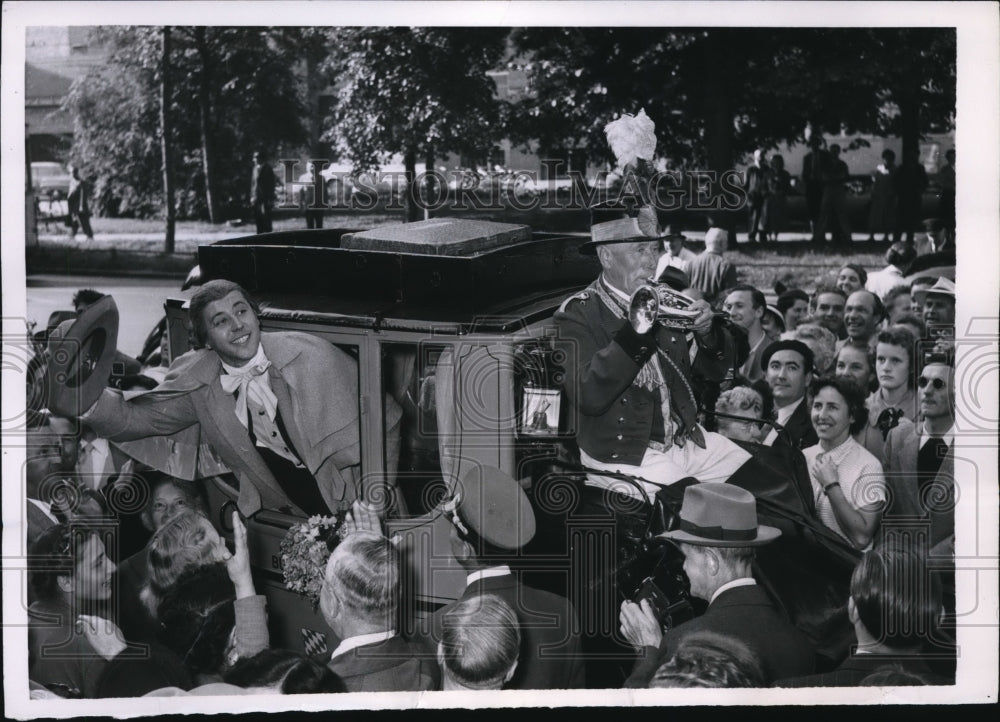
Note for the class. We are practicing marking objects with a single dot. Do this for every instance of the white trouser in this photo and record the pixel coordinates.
(716, 462)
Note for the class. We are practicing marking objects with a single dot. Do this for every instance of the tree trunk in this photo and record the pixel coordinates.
(719, 118)
(205, 122)
(166, 141)
(430, 182)
(412, 192)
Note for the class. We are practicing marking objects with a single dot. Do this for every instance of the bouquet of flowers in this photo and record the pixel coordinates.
(305, 551)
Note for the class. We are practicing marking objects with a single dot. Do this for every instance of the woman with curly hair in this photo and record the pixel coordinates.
(847, 480)
(188, 540)
(188, 547)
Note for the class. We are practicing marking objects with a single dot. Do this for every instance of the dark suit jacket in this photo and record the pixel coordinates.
(799, 427)
(859, 666)
(746, 614)
(604, 355)
(901, 450)
(551, 655)
(317, 389)
(394, 665)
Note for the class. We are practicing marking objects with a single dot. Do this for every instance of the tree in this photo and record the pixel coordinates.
(166, 141)
(419, 92)
(246, 92)
(718, 93)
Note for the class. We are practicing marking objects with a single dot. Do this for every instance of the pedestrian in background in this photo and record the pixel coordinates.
(813, 165)
(78, 204)
(262, 192)
(882, 214)
(833, 206)
(314, 216)
(756, 187)
(911, 180)
(776, 202)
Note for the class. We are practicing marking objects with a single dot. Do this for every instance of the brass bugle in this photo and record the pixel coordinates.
(659, 301)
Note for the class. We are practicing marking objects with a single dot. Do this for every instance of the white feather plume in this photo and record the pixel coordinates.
(631, 137)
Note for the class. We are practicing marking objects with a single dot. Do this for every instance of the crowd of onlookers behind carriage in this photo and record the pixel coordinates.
(857, 376)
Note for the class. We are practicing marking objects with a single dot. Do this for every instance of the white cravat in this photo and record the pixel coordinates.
(252, 384)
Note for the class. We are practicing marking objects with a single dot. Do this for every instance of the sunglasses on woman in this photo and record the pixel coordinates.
(935, 382)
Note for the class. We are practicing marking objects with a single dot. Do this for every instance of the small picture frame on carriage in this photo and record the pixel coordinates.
(540, 411)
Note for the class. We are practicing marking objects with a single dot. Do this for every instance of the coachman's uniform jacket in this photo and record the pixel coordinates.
(617, 420)
(187, 426)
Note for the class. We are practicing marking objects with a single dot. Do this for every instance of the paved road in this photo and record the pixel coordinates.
(140, 302)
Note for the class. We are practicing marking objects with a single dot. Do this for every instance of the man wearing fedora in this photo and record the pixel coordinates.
(718, 533)
(628, 377)
(674, 254)
(279, 410)
(492, 521)
(939, 315)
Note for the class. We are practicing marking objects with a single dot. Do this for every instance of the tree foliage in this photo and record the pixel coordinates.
(718, 93)
(419, 92)
(242, 78)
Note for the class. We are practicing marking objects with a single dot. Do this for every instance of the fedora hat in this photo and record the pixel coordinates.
(626, 222)
(720, 515)
(943, 287)
(495, 507)
(80, 360)
(671, 232)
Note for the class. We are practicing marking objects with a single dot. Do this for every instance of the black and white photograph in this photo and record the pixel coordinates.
(426, 355)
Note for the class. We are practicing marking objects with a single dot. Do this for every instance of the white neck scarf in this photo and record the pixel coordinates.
(250, 383)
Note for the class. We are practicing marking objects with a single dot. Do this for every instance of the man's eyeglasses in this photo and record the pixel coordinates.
(935, 382)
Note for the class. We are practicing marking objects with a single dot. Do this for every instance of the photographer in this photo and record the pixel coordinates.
(718, 532)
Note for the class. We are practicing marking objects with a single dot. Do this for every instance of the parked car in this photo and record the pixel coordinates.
(49, 178)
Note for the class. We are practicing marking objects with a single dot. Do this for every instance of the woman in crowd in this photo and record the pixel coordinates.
(188, 540)
(195, 583)
(856, 361)
(773, 323)
(168, 497)
(896, 372)
(794, 306)
(848, 482)
(851, 277)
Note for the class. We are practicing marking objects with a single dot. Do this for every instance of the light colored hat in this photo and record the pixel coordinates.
(943, 287)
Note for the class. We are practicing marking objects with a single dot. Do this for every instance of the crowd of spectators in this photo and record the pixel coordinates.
(855, 377)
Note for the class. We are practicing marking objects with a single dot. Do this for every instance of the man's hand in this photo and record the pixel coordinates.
(639, 625)
(103, 634)
(703, 323)
(238, 564)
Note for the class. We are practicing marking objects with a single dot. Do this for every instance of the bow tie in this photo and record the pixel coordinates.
(888, 420)
(252, 385)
